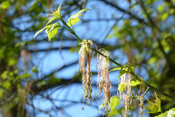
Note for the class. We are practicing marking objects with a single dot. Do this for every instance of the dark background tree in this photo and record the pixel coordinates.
(140, 32)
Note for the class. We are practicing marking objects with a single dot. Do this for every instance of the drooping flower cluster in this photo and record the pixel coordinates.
(85, 53)
(126, 91)
(103, 82)
(125, 87)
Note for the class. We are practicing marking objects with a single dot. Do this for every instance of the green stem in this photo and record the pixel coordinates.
(77, 37)
(69, 29)
(152, 87)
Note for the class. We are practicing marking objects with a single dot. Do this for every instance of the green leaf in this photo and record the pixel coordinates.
(20, 44)
(169, 113)
(1, 93)
(121, 86)
(149, 2)
(74, 49)
(172, 11)
(127, 69)
(25, 75)
(34, 5)
(74, 18)
(113, 113)
(161, 7)
(154, 107)
(5, 74)
(34, 69)
(152, 60)
(116, 112)
(73, 21)
(164, 16)
(41, 30)
(165, 114)
(115, 69)
(12, 61)
(101, 106)
(114, 101)
(5, 5)
(51, 19)
(135, 83)
(57, 13)
(120, 74)
(52, 30)
(16, 100)
(115, 32)
(39, 84)
(6, 84)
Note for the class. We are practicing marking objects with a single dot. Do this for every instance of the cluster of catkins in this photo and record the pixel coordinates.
(126, 96)
(126, 93)
(103, 82)
(103, 71)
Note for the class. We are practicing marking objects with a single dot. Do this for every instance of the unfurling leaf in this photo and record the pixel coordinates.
(115, 69)
(169, 113)
(114, 101)
(135, 83)
(74, 18)
(101, 106)
(41, 30)
(126, 69)
(154, 107)
(52, 30)
(57, 13)
(122, 86)
(51, 19)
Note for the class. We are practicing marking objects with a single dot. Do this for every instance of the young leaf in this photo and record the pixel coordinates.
(57, 13)
(121, 86)
(114, 101)
(41, 30)
(169, 113)
(25, 75)
(121, 72)
(6, 84)
(34, 69)
(164, 16)
(34, 5)
(154, 107)
(52, 30)
(135, 83)
(1, 93)
(5, 4)
(74, 18)
(101, 106)
(51, 19)
(115, 69)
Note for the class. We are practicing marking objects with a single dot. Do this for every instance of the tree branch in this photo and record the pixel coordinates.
(125, 11)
